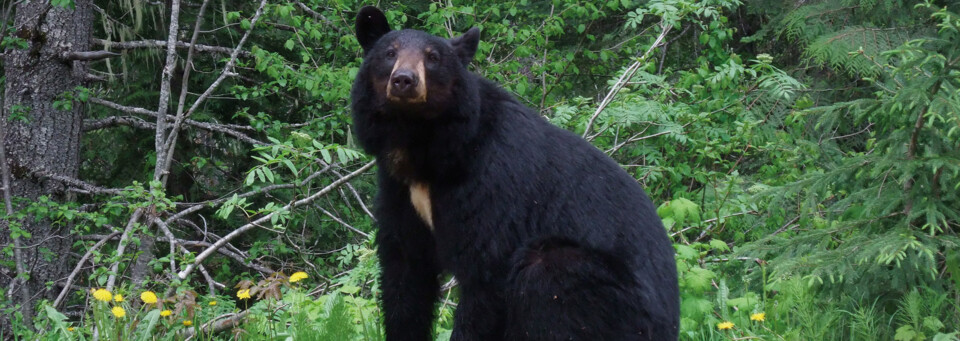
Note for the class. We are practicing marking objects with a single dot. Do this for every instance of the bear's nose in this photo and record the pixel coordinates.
(403, 81)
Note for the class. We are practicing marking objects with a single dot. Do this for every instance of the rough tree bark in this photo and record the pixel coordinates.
(39, 137)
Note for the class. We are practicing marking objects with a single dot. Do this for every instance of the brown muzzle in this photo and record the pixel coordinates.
(408, 83)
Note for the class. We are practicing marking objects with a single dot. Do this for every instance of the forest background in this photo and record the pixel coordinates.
(194, 161)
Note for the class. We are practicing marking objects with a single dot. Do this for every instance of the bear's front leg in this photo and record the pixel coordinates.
(409, 269)
(479, 315)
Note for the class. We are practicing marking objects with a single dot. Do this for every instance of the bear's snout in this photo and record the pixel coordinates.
(408, 79)
(404, 84)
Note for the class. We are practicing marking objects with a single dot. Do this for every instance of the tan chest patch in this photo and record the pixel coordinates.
(420, 197)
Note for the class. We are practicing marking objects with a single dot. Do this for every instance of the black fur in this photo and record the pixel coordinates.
(549, 238)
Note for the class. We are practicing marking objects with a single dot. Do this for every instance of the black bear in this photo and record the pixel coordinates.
(548, 237)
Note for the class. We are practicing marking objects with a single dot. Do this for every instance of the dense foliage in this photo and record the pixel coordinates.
(805, 157)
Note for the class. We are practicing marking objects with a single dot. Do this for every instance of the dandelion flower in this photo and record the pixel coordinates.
(725, 325)
(148, 297)
(118, 298)
(166, 313)
(760, 317)
(213, 302)
(102, 295)
(69, 329)
(118, 312)
(243, 294)
(297, 276)
(187, 323)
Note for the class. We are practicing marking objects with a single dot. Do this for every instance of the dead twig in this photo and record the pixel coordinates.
(624, 78)
(76, 269)
(240, 230)
(140, 44)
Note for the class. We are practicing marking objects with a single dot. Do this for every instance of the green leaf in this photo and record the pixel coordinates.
(289, 164)
(698, 278)
(268, 173)
(686, 252)
(289, 44)
(326, 156)
(905, 333)
(719, 245)
(350, 289)
(145, 331)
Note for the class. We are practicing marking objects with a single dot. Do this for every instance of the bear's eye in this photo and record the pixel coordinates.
(433, 57)
(391, 54)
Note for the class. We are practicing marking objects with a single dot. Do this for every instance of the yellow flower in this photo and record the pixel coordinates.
(758, 317)
(166, 313)
(213, 302)
(725, 325)
(187, 323)
(297, 276)
(148, 297)
(118, 298)
(243, 294)
(69, 329)
(118, 312)
(102, 295)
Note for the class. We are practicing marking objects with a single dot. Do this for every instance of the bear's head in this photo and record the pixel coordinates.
(410, 74)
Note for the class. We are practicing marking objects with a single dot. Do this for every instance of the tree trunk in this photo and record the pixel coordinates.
(40, 138)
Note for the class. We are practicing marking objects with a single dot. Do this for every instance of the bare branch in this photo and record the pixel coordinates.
(165, 158)
(139, 44)
(172, 240)
(337, 219)
(76, 183)
(8, 205)
(262, 189)
(90, 125)
(624, 78)
(852, 134)
(232, 255)
(183, 243)
(219, 324)
(86, 55)
(168, 66)
(121, 248)
(124, 108)
(215, 127)
(360, 201)
(185, 85)
(266, 218)
(635, 138)
(76, 269)
(320, 17)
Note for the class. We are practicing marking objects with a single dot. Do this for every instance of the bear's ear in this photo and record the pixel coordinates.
(466, 45)
(371, 25)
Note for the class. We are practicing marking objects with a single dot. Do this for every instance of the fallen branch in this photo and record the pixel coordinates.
(218, 324)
